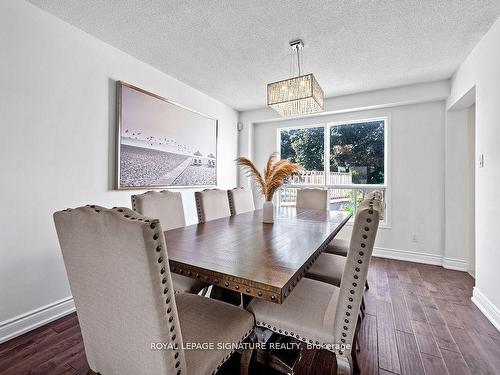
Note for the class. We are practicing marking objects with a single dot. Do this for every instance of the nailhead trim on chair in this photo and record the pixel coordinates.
(355, 284)
(197, 198)
(231, 353)
(284, 332)
(158, 249)
(171, 327)
(152, 226)
(347, 311)
(133, 203)
(231, 202)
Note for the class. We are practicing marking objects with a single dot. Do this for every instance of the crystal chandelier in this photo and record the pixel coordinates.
(295, 96)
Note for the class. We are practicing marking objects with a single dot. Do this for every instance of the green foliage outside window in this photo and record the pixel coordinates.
(356, 147)
(304, 146)
(359, 147)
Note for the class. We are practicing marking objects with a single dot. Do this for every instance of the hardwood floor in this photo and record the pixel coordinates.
(419, 320)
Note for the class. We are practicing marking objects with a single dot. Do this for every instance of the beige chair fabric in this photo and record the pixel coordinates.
(328, 268)
(313, 199)
(212, 204)
(303, 314)
(240, 201)
(164, 205)
(322, 313)
(168, 208)
(330, 265)
(117, 265)
(337, 246)
(208, 320)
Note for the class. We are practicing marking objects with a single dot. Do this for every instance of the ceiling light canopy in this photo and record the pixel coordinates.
(295, 96)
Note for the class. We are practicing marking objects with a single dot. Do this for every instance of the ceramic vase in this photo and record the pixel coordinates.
(268, 212)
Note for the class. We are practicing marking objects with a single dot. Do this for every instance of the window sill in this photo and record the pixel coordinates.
(380, 226)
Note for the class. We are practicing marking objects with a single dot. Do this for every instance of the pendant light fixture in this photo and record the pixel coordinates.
(297, 95)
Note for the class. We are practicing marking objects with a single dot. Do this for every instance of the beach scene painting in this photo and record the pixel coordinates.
(163, 144)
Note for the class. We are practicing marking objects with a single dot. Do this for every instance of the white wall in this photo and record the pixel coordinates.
(481, 70)
(57, 108)
(459, 188)
(385, 98)
(471, 190)
(416, 180)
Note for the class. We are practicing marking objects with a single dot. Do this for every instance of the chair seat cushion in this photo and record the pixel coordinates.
(184, 284)
(338, 246)
(306, 314)
(205, 320)
(328, 268)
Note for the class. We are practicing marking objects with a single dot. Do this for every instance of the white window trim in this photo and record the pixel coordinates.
(387, 160)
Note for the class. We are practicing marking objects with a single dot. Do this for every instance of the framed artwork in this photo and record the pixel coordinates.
(162, 143)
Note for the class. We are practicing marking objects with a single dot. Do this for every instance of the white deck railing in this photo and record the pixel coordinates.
(288, 193)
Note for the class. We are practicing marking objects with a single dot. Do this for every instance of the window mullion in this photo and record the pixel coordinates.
(326, 152)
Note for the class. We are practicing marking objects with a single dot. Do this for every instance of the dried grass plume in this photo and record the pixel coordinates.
(274, 175)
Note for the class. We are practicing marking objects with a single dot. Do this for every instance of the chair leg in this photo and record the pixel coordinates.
(362, 308)
(247, 354)
(344, 365)
(355, 363)
(246, 359)
(354, 349)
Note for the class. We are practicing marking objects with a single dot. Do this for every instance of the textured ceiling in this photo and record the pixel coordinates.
(230, 49)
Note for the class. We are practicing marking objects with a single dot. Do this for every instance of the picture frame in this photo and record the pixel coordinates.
(162, 144)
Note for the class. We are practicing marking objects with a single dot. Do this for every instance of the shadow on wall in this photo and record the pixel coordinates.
(111, 134)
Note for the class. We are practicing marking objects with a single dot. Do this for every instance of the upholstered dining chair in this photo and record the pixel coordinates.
(314, 199)
(329, 268)
(318, 199)
(340, 246)
(240, 200)
(168, 208)
(323, 314)
(212, 204)
(131, 322)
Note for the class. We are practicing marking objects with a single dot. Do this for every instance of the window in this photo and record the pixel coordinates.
(359, 148)
(305, 146)
(348, 158)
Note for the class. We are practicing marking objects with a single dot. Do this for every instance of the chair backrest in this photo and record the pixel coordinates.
(375, 194)
(352, 285)
(117, 265)
(240, 200)
(212, 204)
(164, 205)
(314, 199)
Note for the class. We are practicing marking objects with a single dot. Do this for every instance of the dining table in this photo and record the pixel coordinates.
(242, 254)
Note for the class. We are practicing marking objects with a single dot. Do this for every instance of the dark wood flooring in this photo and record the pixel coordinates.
(419, 320)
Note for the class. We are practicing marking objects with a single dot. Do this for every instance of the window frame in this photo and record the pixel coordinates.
(326, 157)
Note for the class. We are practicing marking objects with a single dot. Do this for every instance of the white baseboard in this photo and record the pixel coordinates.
(417, 257)
(35, 318)
(455, 264)
(409, 256)
(490, 311)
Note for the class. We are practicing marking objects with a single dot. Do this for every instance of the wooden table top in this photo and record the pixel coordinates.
(241, 253)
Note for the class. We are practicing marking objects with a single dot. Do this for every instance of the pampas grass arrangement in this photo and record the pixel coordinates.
(274, 175)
